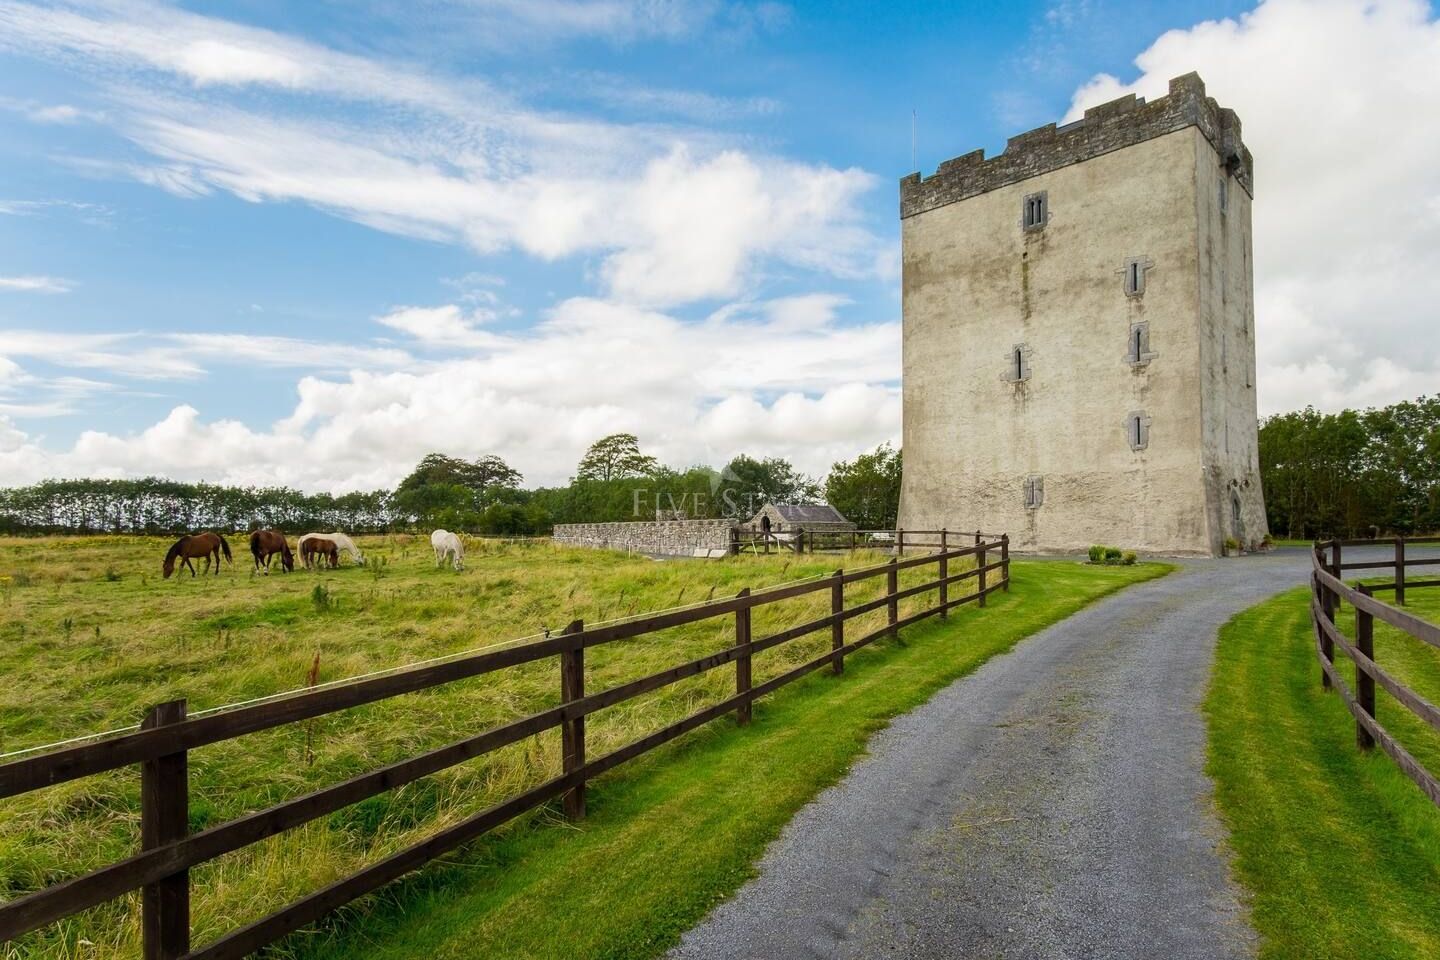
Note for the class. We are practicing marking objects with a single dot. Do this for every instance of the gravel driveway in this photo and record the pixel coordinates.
(1051, 805)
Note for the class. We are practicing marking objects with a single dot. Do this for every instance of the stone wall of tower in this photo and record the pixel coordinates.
(977, 286)
(1231, 452)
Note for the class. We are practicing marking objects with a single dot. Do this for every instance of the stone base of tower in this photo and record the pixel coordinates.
(1081, 509)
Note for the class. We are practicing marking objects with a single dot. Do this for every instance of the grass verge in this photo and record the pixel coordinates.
(674, 833)
(1339, 850)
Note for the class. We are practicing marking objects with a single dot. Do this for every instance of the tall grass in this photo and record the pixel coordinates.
(84, 650)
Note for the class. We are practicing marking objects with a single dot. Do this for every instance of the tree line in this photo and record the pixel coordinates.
(1372, 472)
(614, 481)
(1352, 473)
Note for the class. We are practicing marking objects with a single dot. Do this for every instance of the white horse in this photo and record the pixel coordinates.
(342, 542)
(446, 544)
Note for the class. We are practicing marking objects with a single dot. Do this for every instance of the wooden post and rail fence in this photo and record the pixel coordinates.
(1328, 593)
(161, 746)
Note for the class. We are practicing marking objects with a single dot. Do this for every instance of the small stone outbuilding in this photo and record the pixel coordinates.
(792, 517)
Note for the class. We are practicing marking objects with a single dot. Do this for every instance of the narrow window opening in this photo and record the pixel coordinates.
(1137, 348)
(1034, 492)
(1137, 430)
(1034, 211)
(1134, 274)
(1017, 364)
(1224, 193)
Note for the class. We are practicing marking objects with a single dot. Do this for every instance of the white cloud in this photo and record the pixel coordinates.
(203, 50)
(676, 215)
(678, 227)
(35, 284)
(446, 326)
(780, 378)
(1340, 101)
(182, 356)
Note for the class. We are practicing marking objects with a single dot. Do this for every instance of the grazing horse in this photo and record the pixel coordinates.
(342, 543)
(316, 550)
(197, 545)
(264, 544)
(446, 544)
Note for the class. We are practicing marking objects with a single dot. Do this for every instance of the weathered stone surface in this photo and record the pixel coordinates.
(1143, 185)
(1105, 128)
(661, 538)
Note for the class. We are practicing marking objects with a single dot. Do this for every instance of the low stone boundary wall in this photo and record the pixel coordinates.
(661, 538)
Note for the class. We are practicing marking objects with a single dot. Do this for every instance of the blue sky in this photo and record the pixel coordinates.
(307, 243)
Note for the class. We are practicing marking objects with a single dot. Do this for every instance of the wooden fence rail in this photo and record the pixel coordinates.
(1328, 590)
(161, 745)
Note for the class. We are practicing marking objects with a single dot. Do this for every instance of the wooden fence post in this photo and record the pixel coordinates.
(1005, 562)
(1400, 570)
(165, 818)
(572, 732)
(837, 626)
(944, 572)
(977, 538)
(742, 661)
(1364, 683)
(1327, 608)
(980, 560)
(899, 543)
(892, 587)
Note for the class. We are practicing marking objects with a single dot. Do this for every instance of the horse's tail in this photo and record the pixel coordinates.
(225, 545)
(254, 544)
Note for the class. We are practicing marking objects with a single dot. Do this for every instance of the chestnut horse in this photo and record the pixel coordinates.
(194, 546)
(342, 543)
(264, 544)
(317, 550)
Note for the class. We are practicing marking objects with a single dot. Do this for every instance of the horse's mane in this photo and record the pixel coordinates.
(175, 548)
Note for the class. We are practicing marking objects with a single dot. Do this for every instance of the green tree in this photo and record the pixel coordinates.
(481, 475)
(747, 484)
(615, 457)
(867, 489)
(448, 505)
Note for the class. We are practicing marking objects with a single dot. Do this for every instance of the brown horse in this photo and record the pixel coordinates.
(316, 550)
(264, 544)
(194, 546)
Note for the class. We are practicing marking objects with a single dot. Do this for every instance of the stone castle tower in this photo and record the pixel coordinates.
(1079, 334)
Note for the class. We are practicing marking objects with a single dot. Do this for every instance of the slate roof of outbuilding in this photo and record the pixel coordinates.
(809, 513)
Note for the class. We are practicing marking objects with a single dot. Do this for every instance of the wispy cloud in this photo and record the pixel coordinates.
(676, 214)
(187, 356)
(444, 326)
(36, 284)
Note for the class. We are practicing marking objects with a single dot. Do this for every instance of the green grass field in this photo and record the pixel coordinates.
(90, 635)
(1339, 849)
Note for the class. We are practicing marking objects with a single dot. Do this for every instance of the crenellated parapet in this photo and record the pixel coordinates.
(1104, 128)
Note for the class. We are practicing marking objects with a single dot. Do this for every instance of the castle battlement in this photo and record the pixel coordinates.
(1105, 128)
